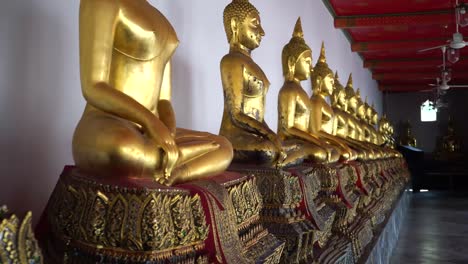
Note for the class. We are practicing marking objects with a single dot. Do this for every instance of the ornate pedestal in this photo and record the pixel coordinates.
(322, 193)
(344, 197)
(259, 245)
(17, 242)
(139, 221)
(282, 215)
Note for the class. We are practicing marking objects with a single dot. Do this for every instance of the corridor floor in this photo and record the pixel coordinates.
(435, 230)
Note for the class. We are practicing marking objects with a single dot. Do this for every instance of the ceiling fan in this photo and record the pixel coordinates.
(461, 19)
(442, 82)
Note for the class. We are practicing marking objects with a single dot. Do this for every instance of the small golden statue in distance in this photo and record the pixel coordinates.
(294, 107)
(245, 87)
(128, 127)
(323, 118)
(449, 146)
(407, 138)
(341, 127)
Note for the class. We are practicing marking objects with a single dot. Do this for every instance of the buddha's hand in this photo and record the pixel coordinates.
(163, 138)
(280, 150)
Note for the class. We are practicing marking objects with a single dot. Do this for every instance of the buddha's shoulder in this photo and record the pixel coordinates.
(235, 58)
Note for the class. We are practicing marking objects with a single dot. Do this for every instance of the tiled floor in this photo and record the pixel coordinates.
(435, 230)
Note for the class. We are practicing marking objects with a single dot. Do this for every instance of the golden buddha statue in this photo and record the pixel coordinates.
(322, 121)
(382, 128)
(370, 130)
(361, 115)
(294, 106)
(386, 136)
(341, 126)
(245, 86)
(355, 130)
(128, 126)
(449, 146)
(407, 137)
(373, 119)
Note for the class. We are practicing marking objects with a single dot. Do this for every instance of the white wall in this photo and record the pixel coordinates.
(41, 101)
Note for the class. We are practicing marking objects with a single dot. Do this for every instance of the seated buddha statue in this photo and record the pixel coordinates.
(407, 137)
(449, 146)
(377, 138)
(370, 129)
(355, 130)
(128, 127)
(341, 126)
(382, 128)
(364, 115)
(386, 139)
(245, 86)
(323, 116)
(294, 106)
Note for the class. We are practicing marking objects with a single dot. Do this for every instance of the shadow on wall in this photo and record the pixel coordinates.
(31, 57)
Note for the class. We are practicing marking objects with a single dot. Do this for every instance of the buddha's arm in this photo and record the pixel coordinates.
(287, 112)
(315, 119)
(97, 22)
(233, 80)
(328, 113)
(165, 110)
(340, 123)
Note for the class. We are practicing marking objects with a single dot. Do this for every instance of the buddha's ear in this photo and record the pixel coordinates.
(235, 30)
(317, 87)
(291, 68)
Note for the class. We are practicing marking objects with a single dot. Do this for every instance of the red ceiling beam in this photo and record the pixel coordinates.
(396, 45)
(462, 67)
(413, 76)
(409, 63)
(429, 18)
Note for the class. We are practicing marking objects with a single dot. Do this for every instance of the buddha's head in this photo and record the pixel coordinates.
(322, 77)
(375, 115)
(361, 107)
(242, 25)
(382, 124)
(296, 57)
(338, 98)
(351, 96)
(368, 111)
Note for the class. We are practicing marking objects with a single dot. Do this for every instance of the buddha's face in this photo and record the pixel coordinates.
(328, 83)
(361, 111)
(342, 99)
(303, 66)
(353, 103)
(375, 118)
(250, 31)
(369, 113)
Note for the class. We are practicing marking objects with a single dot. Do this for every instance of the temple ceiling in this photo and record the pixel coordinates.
(388, 34)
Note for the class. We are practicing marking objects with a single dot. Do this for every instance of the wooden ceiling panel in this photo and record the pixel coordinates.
(405, 32)
(388, 35)
(380, 7)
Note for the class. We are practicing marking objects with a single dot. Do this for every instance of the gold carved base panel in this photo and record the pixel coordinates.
(281, 214)
(138, 221)
(135, 222)
(259, 245)
(17, 242)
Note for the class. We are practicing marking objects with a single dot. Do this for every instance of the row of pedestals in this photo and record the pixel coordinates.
(303, 214)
